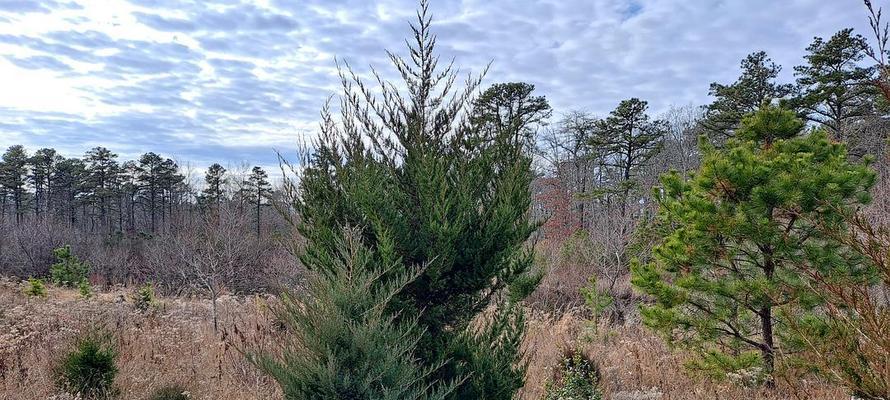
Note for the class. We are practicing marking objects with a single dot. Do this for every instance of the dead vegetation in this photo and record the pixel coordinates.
(175, 344)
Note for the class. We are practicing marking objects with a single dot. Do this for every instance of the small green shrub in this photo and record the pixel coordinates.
(89, 370)
(576, 378)
(69, 271)
(174, 392)
(86, 291)
(595, 299)
(35, 288)
(144, 298)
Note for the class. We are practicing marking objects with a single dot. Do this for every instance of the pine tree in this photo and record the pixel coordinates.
(129, 192)
(43, 165)
(257, 190)
(102, 173)
(172, 184)
(740, 230)
(835, 89)
(510, 107)
(733, 102)
(159, 180)
(13, 177)
(150, 170)
(628, 139)
(214, 186)
(68, 188)
(407, 167)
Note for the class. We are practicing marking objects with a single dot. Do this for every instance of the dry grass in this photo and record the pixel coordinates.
(636, 365)
(176, 344)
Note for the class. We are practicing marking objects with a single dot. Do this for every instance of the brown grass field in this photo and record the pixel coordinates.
(176, 344)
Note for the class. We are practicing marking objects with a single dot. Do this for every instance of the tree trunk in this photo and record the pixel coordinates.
(767, 351)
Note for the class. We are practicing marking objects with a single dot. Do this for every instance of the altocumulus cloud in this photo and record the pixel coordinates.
(233, 80)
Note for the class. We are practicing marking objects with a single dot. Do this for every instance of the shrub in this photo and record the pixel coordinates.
(144, 298)
(89, 369)
(84, 288)
(847, 339)
(596, 300)
(174, 392)
(35, 288)
(69, 271)
(576, 378)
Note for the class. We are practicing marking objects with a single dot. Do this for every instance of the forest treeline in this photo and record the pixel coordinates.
(133, 219)
(747, 231)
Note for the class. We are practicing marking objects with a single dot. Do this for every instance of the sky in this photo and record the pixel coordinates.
(234, 81)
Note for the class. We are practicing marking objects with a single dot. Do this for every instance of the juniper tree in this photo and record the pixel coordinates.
(740, 230)
(343, 342)
(408, 165)
(835, 88)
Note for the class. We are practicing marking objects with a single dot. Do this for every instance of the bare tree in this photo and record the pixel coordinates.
(213, 257)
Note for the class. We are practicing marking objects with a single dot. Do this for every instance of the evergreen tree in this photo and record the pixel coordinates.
(68, 188)
(628, 140)
(172, 185)
(732, 102)
(158, 180)
(102, 172)
(257, 189)
(13, 176)
(214, 185)
(407, 168)
(510, 107)
(343, 344)
(43, 166)
(129, 192)
(835, 89)
(740, 230)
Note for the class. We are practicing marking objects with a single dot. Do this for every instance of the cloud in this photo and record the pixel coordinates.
(32, 6)
(231, 80)
(41, 62)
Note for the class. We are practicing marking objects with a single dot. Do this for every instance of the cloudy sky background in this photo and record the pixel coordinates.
(232, 81)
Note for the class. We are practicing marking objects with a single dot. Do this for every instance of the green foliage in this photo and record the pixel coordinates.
(35, 288)
(576, 378)
(768, 125)
(69, 271)
(84, 288)
(628, 140)
(144, 298)
(89, 369)
(741, 229)
(341, 342)
(214, 186)
(175, 392)
(523, 285)
(835, 89)
(510, 107)
(596, 300)
(425, 188)
(732, 102)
